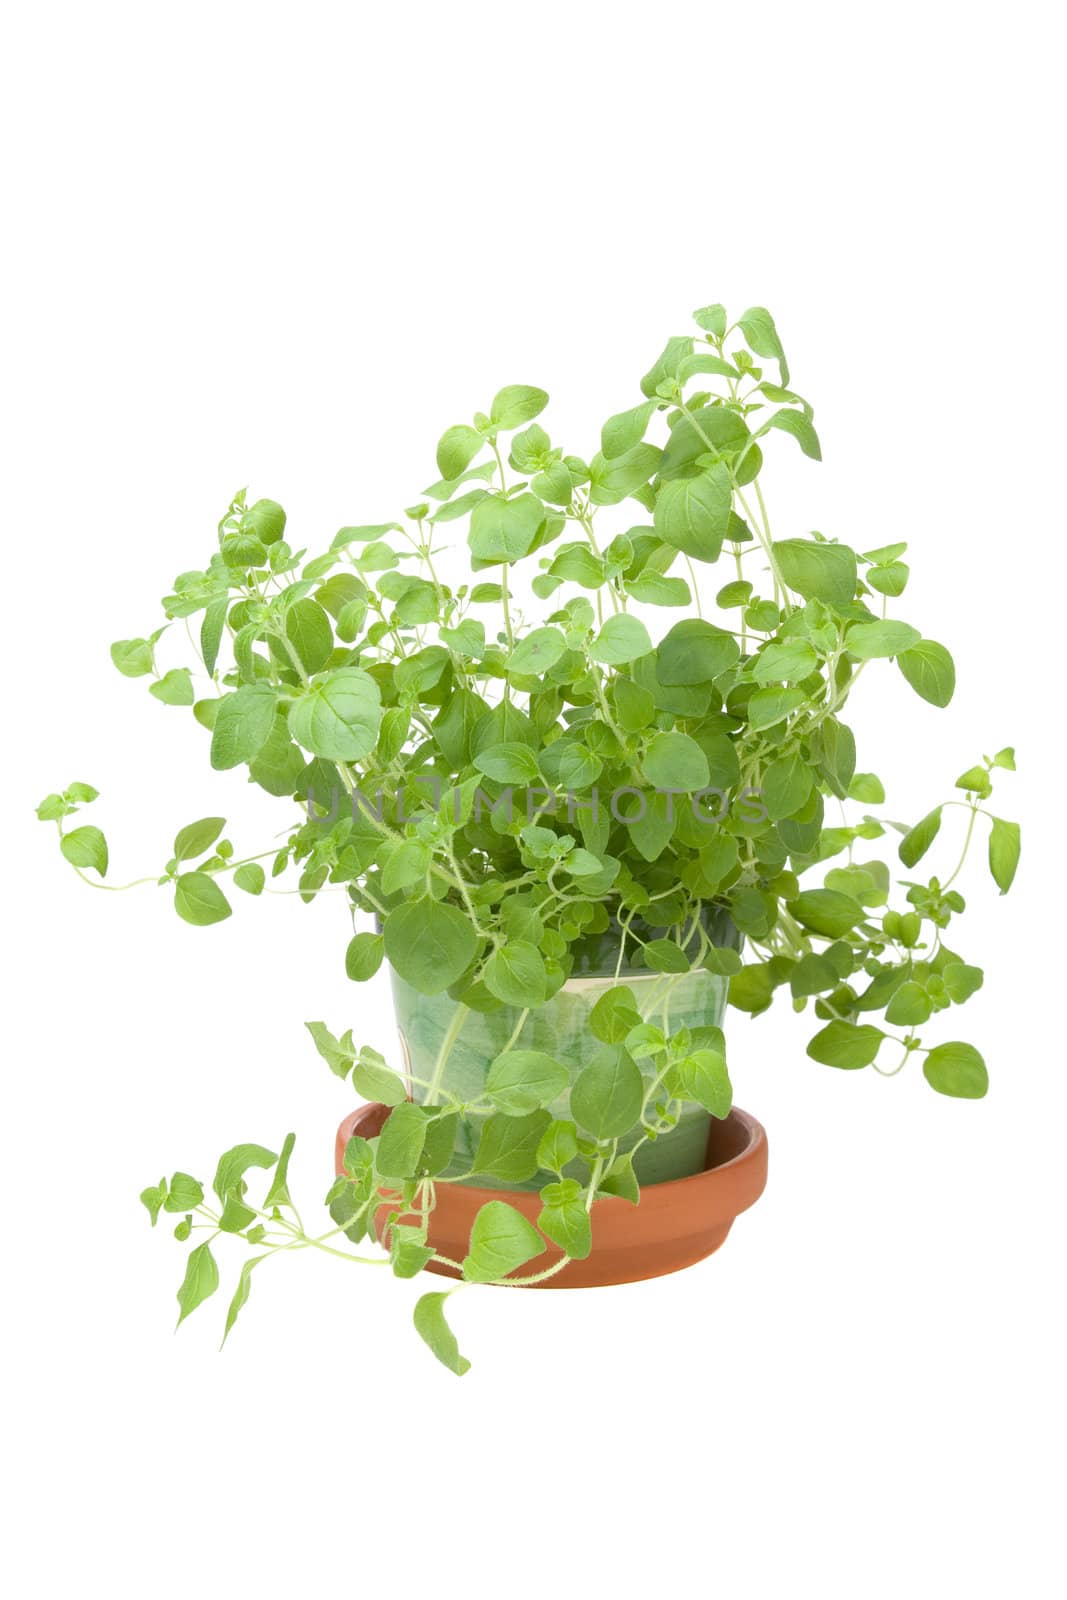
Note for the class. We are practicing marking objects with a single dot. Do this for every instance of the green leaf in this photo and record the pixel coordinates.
(787, 786)
(622, 638)
(278, 1193)
(667, 364)
(929, 669)
(612, 481)
(235, 1163)
(401, 1140)
(788, 660)
(712, 319)
(607, 1095)
(432, 1328)
(516, 404)
(917, 841)
(501, 1240)
(200, 1281)
(558, 1145)
(515, 974)
(1004, 758)
(505, 530)
(621, 432)
(961, 981)
(406, 863)
(693, 514)
(655, 589)
(184, 1193)
(429, 944)
(564, 1218)
(663, 955)
(153, 1197)
(211, 632)
(338, 1054)
(456, 449)
(762, 339)
(703, 1077)
(243, 722)
(197, 837)
(338, 718)
(771, 705)
(508, 1146)
(872, 640)
(705, 362)
(509, 763)
(867, 788)
(364, 956)
(675, 761)
(521, 1081)
(250, 877)
(133, 657)
(956, 1069)
(841, 1044)
(909, 1006)
(365, 534)
(891, 580)
(799, 425)
(199, 900)
(85, 847)
(620, 1179)
(1004, 847)
(694, 652)
(175, 688)
(240, 1296)
(307, 627)
(375, 1081)
(817, 571)
(538, 651)
(826, 912)
(614, 1014)
(723, 962)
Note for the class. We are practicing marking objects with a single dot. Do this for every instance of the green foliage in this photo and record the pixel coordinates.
(497, 758)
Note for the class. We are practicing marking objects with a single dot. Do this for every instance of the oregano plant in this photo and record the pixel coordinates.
(563, 704)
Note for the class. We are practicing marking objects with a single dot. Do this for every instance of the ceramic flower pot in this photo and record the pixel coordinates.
(676, 1223)
(449, 1048)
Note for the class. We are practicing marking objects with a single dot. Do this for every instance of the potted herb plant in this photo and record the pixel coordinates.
(574, 810)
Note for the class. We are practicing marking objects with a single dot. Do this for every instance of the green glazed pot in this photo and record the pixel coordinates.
(448, 1048)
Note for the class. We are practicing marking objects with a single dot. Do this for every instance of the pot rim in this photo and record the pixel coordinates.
(755, 1143)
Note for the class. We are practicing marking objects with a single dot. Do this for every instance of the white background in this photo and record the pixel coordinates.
(285, 246)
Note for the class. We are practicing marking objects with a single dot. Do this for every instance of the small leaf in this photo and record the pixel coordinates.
(240, 1296)
(516, 404)
(917, 841)
(607, 1095)
(199, 900)
(375, 1081)
(200, 1281)
(501, 1240)
(564, 1218)
(521, 1081)
(841, 1044)
(364, 956)
(958, 1070)
(250, 877)
(929, 669)
(873, 640)
(175, 688)
(432, 1328)
(197, 837)
(1004, 848)
(622, 638)
(400, 1142)
(508, 1146)
(85, 847)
